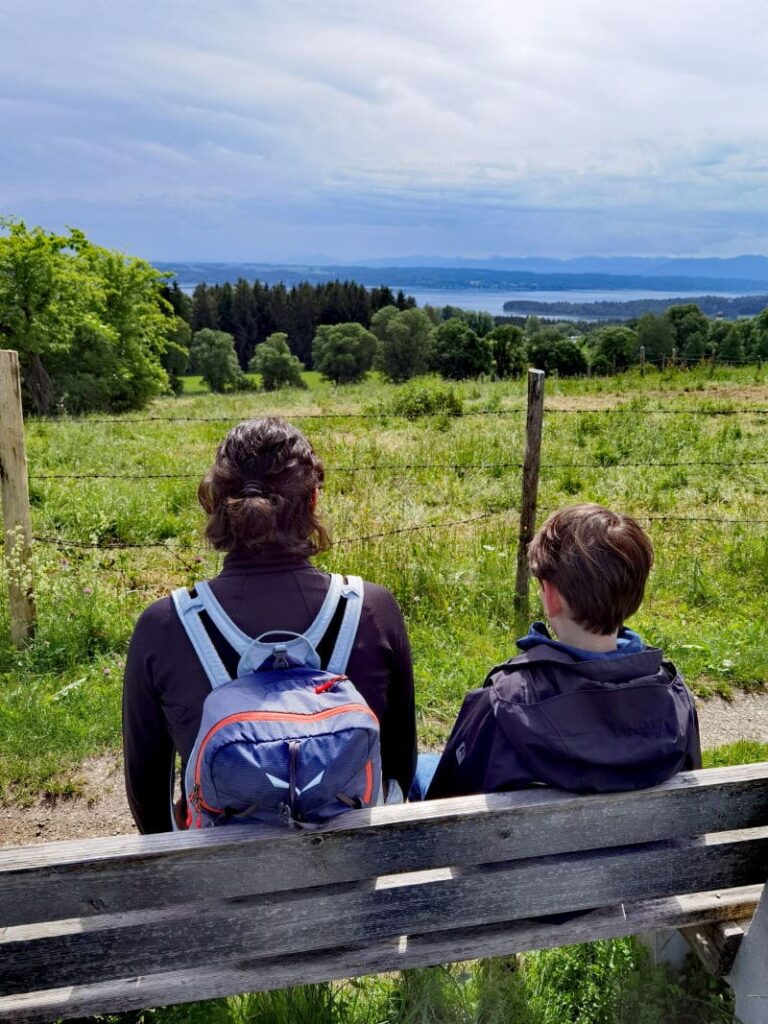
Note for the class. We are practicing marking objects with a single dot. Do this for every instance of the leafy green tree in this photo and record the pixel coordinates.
(615, 347)
(726, 342)
(478, 321)
(759, 336)
(213, 356)
(343, 353)
(657, 335)
(277, 366)
(509, 349)
(548, 350)
(459, 353)
(90, 324)
(532, 326)
(405, 342)
(691, 329)
(175, 358)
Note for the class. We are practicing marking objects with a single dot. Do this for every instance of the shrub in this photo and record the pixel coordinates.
(425, 398)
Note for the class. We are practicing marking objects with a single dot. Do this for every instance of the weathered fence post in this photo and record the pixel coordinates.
(642, 360)
(749, 977)
(530, 488)
(17, 521)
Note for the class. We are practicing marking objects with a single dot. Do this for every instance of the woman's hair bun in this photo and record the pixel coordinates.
(260, 490)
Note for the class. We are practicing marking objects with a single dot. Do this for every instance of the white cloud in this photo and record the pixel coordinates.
(565, 105)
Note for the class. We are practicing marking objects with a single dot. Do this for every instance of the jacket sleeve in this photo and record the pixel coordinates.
(148, 750)
(693, 752)
(463, 767)
(398, 725)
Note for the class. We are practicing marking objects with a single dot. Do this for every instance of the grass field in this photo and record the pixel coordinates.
(59, 700)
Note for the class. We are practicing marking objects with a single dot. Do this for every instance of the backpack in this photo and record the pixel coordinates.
(286, 740)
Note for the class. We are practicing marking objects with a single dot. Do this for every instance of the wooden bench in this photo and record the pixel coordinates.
(131, 922)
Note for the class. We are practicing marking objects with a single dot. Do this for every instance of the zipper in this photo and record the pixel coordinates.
(264, 716)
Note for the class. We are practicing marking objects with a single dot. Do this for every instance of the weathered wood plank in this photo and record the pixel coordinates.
(87, 950)
(205, 982)
(119, 874)
(716, 945)
(749, 977)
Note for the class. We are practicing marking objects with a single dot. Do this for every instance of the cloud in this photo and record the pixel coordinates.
(559, 125)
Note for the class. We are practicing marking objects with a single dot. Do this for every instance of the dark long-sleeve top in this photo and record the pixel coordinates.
(165, 685)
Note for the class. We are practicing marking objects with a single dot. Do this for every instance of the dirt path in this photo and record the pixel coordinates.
(102, 809)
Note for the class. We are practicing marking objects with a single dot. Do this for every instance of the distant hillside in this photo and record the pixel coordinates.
(711, 305)
(455, 278)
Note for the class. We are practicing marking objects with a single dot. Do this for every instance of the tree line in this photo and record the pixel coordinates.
(96, 330)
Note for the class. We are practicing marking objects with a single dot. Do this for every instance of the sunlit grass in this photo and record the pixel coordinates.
(705, 601)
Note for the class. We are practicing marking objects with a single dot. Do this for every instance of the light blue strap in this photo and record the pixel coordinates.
(188, 609)
(353, 590)
(298, 651)
(319, 627)
(234, 636)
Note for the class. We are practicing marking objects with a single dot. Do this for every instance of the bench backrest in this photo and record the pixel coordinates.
(134, 921)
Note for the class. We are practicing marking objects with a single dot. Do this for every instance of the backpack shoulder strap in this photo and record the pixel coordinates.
(354, 591)
(188, 609)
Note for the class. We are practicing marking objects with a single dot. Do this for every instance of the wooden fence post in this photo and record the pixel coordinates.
(17, 522)
(642, 360)
(530, 488)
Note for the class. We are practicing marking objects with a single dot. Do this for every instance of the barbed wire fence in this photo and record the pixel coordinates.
(526, 510)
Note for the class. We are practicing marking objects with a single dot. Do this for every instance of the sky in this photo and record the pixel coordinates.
(339, 130)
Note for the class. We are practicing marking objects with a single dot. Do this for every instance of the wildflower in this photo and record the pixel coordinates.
(87, 590)
(107, 671)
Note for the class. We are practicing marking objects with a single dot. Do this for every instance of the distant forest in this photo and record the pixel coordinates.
(454, 278)
(252, 312)
(729, 308)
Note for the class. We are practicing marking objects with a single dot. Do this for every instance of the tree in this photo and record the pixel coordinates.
(459, 353)
(614, 347)
(277, 366)
(657, 335)
(213, 356)
(90, 324)
(691, 329)
(343, 353)
(405, 342)
(726, 341)
(759, 336)
(509, 349)
(548, 350)
(175, 358)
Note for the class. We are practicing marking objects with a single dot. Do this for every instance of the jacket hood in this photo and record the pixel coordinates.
(622, 722)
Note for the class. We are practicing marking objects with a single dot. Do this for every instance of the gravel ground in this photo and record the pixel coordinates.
(102, 809)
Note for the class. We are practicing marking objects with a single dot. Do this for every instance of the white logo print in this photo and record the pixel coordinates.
(461, 752)
(282, 784)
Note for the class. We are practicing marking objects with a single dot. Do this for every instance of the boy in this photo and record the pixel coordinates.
(593, 710)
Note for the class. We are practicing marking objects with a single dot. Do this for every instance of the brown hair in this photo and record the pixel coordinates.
(599, 560)
(260, 490)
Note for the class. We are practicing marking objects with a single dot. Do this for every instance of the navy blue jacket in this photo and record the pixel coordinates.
(618, 723)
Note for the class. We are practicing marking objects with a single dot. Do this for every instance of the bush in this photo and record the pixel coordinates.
(425, 398)
(278, 367)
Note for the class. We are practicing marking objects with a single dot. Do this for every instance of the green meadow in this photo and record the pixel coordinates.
(450, 483)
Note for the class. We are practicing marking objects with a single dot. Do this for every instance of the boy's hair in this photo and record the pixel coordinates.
(599, 560)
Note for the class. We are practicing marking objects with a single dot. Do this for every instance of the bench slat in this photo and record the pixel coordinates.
(222, 932)
(122, 874)
(393, 954)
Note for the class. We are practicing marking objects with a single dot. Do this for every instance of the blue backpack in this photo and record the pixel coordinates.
(286, 740)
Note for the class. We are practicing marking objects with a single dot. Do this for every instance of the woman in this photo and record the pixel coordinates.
(260, 497)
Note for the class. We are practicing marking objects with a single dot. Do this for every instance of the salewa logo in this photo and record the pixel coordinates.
(461, 752)
(282, 784)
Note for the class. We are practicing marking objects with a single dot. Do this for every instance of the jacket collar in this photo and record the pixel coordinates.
(622, 668)
(242, 562)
